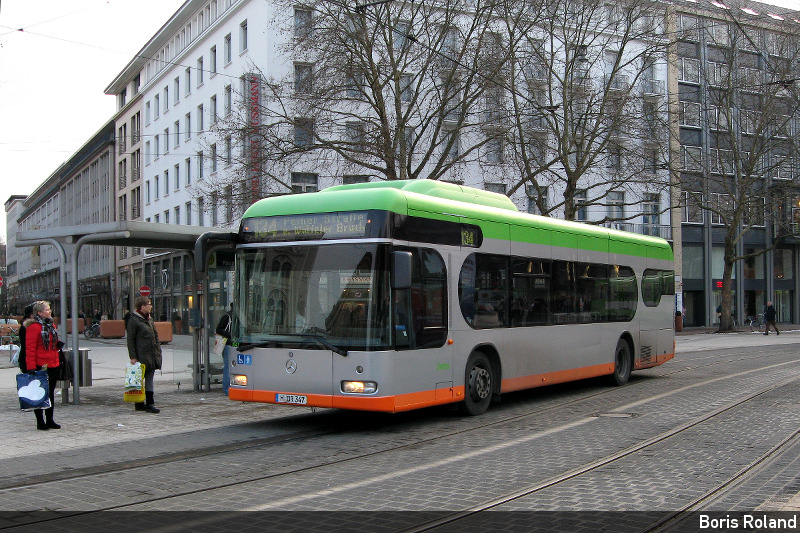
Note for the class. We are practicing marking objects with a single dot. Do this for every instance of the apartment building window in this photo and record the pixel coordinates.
(688, 70)
(147, 192)
(691, 207)
(229, 204)
(148, 153)
(214, 209)
(304, 132)
(200, 119)
(156, 143)
(177, 128)
(494, 150)
(176, 89)
(651, 205)
(122, 139)
(689, 114)
(157, 218)
(351, 179)
(213, 157)
(166, 216)
(533, 195)
(355, 134)
(200, 165)
(177, 177)
(166, 140)
(136, 203)
(187, 80)
(188, 213)
(450, 144)
(136, 128)
(228, 100)
(303, 78)
(188, 168)
(187, 124)
(166, 99)
(499, 188)
(200, 71)
(200, 215)
(354, 84)
(305, 182)
(156, 188)
(156, 106)
(166, 183)
(177, 215)
(614, 158)
(406, 90)
(213, 60)
(226, 49)
(136, 165)
(212, 111)
(147, 113)
(402, 30)
(302, 23)
(615, 206)
(228, 150)
(243, 36)
(123, 207)
(580, 199)
(722, 203)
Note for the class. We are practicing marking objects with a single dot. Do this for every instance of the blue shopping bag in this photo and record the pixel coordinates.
(33, 390)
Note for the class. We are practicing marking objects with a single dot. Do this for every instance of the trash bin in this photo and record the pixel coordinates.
(84, 369)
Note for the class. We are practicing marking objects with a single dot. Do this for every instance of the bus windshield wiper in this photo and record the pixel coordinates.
(251, 345)
(321, 341)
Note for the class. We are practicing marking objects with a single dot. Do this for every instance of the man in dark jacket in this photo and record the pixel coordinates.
(224, 329)
(143, 347)
(769, 319)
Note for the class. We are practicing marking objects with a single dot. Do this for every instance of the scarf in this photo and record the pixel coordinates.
(49, 333)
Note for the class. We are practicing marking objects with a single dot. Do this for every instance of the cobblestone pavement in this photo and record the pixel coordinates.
(101, 430)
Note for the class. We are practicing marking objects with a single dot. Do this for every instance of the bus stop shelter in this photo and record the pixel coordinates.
(154, 238)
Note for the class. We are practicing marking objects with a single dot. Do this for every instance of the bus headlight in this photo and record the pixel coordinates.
(239, 380)
(359, 387)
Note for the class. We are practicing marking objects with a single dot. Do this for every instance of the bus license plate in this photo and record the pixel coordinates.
(291, 398)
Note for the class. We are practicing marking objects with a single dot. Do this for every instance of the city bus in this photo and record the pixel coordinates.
(399, 295)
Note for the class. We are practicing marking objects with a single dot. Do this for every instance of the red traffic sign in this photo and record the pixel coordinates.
(144, 290)
(1, 282)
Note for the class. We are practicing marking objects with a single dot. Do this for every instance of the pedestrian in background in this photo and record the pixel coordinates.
(41, 353)
(143, 347)
(769, 319)
(224, 329)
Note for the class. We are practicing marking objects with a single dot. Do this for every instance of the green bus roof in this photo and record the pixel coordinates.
(495, 213)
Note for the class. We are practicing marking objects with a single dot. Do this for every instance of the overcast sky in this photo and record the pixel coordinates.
(53, 73)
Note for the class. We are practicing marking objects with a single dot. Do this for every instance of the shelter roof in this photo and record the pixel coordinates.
(125, 233)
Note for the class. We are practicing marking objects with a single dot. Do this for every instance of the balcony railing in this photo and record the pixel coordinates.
(655, 230)
(122, 146)
(136, 174)
(653, 87)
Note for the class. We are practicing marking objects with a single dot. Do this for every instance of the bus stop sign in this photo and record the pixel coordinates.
(144, 290)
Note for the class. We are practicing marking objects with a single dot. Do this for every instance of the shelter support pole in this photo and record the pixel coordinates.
(76, 398)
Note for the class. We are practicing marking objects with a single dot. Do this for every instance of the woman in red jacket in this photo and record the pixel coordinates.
(41, 353)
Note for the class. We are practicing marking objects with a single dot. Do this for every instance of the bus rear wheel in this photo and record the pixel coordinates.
(478, 384)
(623, 363)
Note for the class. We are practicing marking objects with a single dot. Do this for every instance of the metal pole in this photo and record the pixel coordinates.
(74, 303)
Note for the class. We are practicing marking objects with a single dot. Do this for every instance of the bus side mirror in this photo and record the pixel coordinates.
(401, 270)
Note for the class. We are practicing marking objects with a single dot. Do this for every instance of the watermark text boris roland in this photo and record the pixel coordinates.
(748, 521)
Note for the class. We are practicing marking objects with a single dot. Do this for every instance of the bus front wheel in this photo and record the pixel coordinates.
(623, 363)
(478, 384)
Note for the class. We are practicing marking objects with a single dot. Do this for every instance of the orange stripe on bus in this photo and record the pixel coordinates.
(550, 378)
(428, 398)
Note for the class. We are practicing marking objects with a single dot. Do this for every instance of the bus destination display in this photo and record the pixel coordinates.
(306, 227)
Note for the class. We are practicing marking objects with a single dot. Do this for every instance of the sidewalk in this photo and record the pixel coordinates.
(103, 430)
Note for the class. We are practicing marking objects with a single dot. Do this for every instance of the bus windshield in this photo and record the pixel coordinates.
(312, 296)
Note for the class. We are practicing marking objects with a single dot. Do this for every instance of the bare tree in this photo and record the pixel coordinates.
(394, 91)
(590, 107)
(746, 173)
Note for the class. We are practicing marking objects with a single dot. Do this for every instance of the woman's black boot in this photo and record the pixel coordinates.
(40, 423)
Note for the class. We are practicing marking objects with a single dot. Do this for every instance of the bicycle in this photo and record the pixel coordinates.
(92, 331)
(756, 323)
